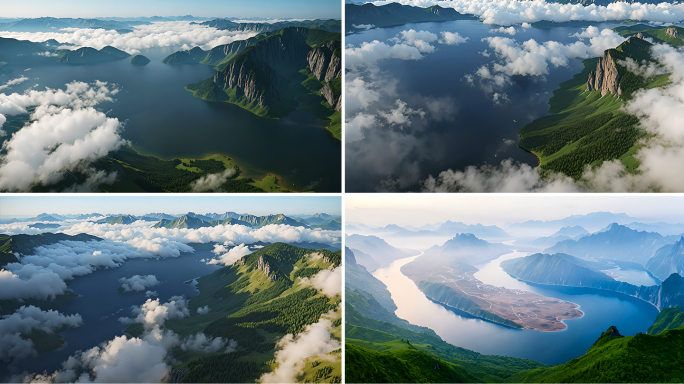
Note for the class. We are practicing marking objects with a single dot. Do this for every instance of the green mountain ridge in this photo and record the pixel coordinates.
(395, 14)
(273, 77)
(255, 311)
(586, 125)
(87, 55)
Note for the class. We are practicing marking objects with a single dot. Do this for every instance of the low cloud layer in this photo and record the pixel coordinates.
(532, 58)
(661, 156)
(42, 274)
(13, 82)
(229, 257)
(326, 281)
(177, 34)
(212, 182)
(512, 12)
(138, 282)
(376, 116)
(316, 339)
(65, 133)
(22, 322)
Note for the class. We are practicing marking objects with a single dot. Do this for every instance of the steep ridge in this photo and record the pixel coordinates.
(256, 311)
(605, 77)
(265, 76)
(617, 242)
(326, 64)
(667, 260)
(564, 270)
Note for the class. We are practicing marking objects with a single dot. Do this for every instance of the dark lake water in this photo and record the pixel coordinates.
(601, 310)
(100, 304)
(165, 120)
(477, 134)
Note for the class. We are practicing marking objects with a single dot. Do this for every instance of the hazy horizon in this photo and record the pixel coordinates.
(274, 9)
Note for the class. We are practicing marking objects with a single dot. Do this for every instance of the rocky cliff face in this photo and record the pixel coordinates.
(605, 77)
(241, 76)
(323, 63)
(266, 269)
(326, 65)
(218, 53)
(672, 31)
(335, 102)
(257, 76)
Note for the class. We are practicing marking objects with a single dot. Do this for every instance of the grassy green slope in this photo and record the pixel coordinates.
(668, 318)
(401, 366)
(297, 88)
(249, 308)
(638, 359)
(585, 128)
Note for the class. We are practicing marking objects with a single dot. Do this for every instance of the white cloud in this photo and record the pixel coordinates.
(151, 294)
(401, 114)
(328, 282)
(22, 322)
(65, 131)
(314, 340)
(46, 54)
(510, 30)
(231, 256)
(363, 26)
(531, 58)
(212, 182)
(153, 313)
(507, 177)
(138, 282)
(203, 310)
(201, 343)
(176, 34)
(12, 82)
(452, 38)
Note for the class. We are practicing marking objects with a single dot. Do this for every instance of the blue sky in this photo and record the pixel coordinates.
(31, 205)
(300, 9)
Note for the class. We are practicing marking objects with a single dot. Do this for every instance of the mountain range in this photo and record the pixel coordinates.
(275, 73)
(377, 251)
(360, 17)
(566, 270)
(614, 242)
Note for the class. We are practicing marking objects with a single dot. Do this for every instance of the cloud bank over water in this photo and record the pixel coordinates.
(177, 34)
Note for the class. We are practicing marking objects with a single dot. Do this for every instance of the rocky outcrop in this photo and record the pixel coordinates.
(672, 31)
(241, 76)
(326, 64)
(241, 261)
(640, 36)
(220, 52)
(266, 269)
(605, 77)
(256, 75)
(334, 101)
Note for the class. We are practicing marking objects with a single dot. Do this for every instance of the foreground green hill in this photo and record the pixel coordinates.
(616, 359)
(587, 124)
(668, 318)
(255, 302)
(402, 366)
